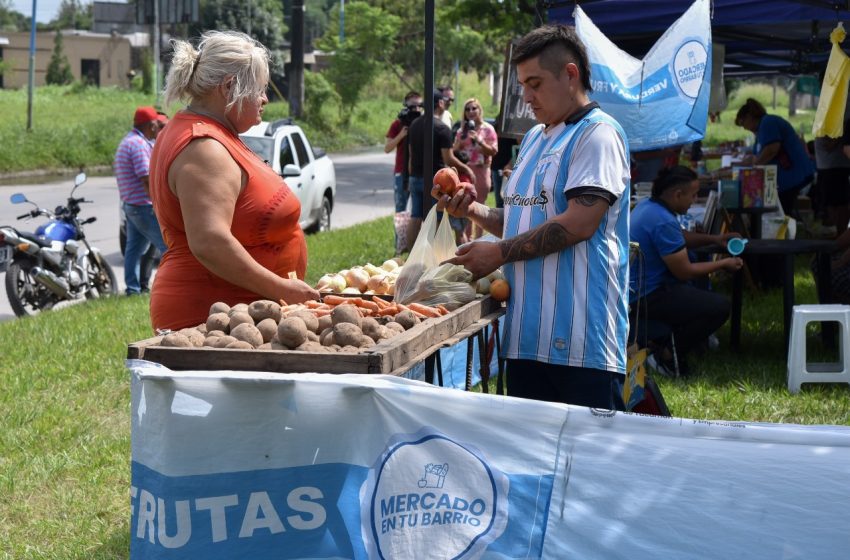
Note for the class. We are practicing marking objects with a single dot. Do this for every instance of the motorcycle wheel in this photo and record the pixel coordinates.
(101, 276)
(26, 296)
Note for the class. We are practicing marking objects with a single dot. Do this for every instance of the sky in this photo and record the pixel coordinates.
(45, 9)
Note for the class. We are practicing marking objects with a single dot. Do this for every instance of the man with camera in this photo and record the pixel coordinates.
(397, 140)
(442, 157)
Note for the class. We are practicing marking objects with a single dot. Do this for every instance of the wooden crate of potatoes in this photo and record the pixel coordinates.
(337, 335)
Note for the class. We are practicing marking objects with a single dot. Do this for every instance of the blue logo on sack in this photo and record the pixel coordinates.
(434, 496)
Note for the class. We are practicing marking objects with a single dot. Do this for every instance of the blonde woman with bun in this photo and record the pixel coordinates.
(229, 221)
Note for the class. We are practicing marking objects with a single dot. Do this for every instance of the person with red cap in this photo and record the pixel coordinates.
(132, 167)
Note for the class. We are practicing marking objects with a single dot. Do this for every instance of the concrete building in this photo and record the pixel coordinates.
(102, 59)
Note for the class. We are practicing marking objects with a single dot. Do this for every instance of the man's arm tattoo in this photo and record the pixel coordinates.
(548, 238)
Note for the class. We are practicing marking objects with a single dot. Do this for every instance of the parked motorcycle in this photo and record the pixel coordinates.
(56, 263)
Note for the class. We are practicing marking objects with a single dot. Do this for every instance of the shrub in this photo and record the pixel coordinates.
(319, 95)
(59, 69)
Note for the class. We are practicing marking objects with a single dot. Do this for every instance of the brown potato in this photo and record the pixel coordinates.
(219, 307)
(349, 349)
(247, 333)
(238, 308)
(176, 340)
(292, 332)
(345, 313)
(268, 328)
(366, 342)
(194, 335)
(218, 322)
(326, 338)
(265, 346)
(211, 341)
(325, 322)
(309, 319)
(240, 344)
(393, 326)
(406, 319)
(347, 334)
(310, 346)
(238, 318)
(224, 341)
(264, 309)
(312, 337)
(202, 328)
(216, 333)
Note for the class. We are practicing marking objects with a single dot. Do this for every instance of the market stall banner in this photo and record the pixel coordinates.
(285, 466)
(662, 99)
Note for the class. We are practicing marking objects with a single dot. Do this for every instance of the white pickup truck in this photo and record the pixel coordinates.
(307, 170)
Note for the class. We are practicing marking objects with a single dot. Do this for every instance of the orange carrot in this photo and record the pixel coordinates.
(313, 304)
(424, 310)
(443, 310)
(320, 312)
(334, 300)
(391, 309)
(380, 302)
(370, 305)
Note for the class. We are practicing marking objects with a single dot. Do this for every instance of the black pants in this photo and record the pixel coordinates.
(529, 379)
(691, 313)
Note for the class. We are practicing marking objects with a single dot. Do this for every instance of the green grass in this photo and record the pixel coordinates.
(64, 406)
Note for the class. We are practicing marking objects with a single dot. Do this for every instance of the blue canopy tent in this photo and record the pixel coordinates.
(760, 36)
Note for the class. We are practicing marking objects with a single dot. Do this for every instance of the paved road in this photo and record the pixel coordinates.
(364, 192)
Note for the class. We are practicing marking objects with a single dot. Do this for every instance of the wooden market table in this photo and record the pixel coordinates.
(394, 356)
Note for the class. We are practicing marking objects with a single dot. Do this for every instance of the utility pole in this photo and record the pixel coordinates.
(31, 81)
(296, 66)
(341, 21)
(428, 156)
(156, 49)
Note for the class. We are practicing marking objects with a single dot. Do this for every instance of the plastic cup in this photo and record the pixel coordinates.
(735, 246)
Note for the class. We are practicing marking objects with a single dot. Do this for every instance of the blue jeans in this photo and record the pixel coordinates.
(417, 190)
(142, 230)
(401, 194)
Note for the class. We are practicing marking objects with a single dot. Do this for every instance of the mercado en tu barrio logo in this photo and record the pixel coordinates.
(434, 496)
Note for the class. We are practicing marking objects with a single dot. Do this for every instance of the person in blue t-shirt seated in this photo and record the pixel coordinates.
(660, 291)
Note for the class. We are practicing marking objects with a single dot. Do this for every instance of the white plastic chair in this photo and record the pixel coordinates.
(799, 369)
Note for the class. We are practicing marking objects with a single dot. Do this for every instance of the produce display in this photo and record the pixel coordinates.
(335, 324)
(367, 279)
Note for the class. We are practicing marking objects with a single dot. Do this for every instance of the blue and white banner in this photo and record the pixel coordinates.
(294, 466)
(661, 100)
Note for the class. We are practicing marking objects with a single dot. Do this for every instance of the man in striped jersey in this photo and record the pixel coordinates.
(131, 167)
(565, 233)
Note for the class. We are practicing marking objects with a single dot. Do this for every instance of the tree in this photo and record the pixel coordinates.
(10, 20)
(73, 14)
(370, 32)
(265, 18)
(59, 69)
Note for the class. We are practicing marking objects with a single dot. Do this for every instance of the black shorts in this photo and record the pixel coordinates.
(834, 186)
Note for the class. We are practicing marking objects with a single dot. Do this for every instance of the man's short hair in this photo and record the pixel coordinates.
(555, 45)
(411, 95)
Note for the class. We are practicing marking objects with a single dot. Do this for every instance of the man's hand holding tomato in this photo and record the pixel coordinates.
(482, 257)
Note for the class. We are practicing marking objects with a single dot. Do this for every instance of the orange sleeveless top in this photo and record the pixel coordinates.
(265, 222)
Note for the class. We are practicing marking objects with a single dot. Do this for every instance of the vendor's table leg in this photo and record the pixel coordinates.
(429, 369)
(484, 363)
(500, 379)
(737, 300)
(469, 346)
(788, 297)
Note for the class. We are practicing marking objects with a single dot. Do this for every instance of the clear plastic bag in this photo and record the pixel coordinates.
(433, 246)
(447, 284)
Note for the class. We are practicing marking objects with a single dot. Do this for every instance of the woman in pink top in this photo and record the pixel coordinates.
(478, 142)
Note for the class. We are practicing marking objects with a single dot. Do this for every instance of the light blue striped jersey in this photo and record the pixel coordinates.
(570, 308)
